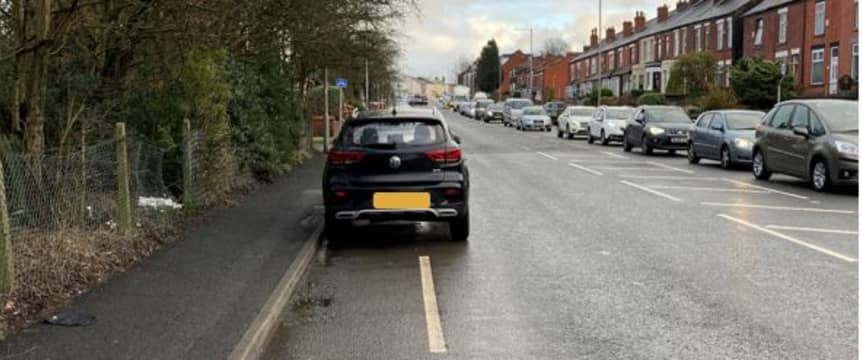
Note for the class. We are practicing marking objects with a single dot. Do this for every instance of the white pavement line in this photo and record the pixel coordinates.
(785, 208)
(808, 229)
(651, 191)
(615, 155)
(741, 183)
(584, 168)
(547, 156)
(632, 168)
(788, 238)
(256, 338)
(436, 343)
(670, 167)
(665, 177)
(695, 188)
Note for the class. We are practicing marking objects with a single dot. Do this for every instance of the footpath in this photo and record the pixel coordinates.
(195, 297)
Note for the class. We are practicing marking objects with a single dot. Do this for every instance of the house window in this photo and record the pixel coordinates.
(782, 26)
(697, 38)
(819, 18)
(676, 42)
(720, 30)
(684, 40)
(706, 36)
(593, 67)
(631, 54)
(817, 66)
(729, 22)
(854, 68)
(758, 33)
(794, 63)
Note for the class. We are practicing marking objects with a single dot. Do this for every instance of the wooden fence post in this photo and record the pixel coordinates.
(188, 199)
(124, 211)
(7, 259)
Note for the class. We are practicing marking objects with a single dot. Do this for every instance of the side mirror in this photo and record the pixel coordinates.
(801, 131)
(640, 119)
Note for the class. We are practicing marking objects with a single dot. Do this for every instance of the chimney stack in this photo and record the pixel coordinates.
(681, 5)
(586, 48)
(662, 13)
(627, 29)
(594, 38)
(640, 21)
(611, 34)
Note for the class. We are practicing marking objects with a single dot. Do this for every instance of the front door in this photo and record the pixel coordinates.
(656, 81)
(799, 146)
(778, 138)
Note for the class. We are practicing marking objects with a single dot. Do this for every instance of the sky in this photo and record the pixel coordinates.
(444, 31)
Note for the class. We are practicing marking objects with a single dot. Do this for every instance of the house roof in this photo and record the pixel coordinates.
(766, 5)
(696, 11)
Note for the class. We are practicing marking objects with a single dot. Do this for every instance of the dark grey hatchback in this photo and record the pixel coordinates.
(396, 167)
(657, 127)
(817, 140)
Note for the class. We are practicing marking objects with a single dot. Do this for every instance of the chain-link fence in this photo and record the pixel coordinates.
(65, 213)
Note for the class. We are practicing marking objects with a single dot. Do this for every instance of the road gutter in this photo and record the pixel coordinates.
(256, 338)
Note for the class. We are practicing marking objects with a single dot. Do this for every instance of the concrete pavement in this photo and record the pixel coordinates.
(581, 251)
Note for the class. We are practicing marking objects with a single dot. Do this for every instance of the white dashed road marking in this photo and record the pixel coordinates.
(740, 183)
(651, 191)
(584, 168)
(783, 208)
(707, 189)
(817, 230)
(548, 156)
(671, 167)
(788, 238)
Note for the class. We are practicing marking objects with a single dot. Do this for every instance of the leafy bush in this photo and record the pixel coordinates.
(755, 82)
(594, 95)
(651, 99)
(314, 103)
(692, 74)
(720, 98)
(636, 93)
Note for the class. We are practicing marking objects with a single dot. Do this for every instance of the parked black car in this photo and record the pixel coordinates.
(554, 109)
(657, 127)
(396, 167)
(418, 100)
(817, 140)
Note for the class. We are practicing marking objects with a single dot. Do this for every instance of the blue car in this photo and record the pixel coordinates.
(724, 135)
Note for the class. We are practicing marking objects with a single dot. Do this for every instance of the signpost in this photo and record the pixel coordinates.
(783, 74)
(341, 83)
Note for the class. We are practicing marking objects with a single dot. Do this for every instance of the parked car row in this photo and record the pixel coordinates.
(816, 140)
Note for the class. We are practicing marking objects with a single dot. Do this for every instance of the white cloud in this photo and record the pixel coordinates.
(447, 30)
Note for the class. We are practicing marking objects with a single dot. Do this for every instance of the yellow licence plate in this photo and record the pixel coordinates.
(402, 200)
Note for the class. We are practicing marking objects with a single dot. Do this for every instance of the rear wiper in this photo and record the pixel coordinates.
(385, 146)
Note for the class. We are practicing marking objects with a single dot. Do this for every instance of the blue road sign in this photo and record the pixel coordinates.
(341, 83)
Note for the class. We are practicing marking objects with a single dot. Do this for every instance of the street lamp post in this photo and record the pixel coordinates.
(531, 59)
(599, 60)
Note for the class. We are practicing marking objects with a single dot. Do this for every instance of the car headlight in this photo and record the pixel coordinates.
(846, 148)
(656, 131)
(743, 143)
(489, 113)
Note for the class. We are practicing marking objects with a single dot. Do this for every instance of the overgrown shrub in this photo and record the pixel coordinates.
(755, 82)
(692, 74)
(594, 95)
(651, 99)
(721, 98)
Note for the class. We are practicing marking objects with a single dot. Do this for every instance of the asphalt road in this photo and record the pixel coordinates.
(581, 251)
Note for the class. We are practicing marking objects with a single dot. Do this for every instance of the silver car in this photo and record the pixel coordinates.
(512, 110)
(534, 118)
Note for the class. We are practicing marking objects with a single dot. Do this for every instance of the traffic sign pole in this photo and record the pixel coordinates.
(326, 110)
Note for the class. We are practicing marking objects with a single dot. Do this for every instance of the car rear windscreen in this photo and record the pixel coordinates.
(743, 121)
(396, 134)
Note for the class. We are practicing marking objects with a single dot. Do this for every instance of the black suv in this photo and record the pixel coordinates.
(396, 167)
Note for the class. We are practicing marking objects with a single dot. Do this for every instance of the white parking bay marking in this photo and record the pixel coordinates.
(817, 230)
(788, 238)
(741, 183)
(632, 168)
(615, 155)
(708, 189)
(584, 168)
(436, 342)
(548, 156)
(781, 208)
(671, 167)
(651, 191)
(665, 177)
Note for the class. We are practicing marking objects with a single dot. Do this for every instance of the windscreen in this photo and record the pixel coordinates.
(395, 134)
(495, 107)
(839, 116)
(534, 111)
(518, 105)
(743, 121)
(618, 114)
(668, 115)
(582, 112)
(484, 103)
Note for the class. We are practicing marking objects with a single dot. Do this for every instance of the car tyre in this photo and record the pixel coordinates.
(692, 156)
(459, 229)
(569, 133)
(820, 180)
(336, 231)
(627, 147)
(645, 146)
(559, 133)
(590, 138)
(604, 138)
(759, 167)
(726, 161)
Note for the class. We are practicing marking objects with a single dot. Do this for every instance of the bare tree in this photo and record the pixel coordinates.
(555, 46)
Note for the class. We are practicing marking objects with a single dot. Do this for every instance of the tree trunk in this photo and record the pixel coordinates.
(31, 84)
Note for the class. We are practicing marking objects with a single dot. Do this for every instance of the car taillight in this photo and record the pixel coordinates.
(341, 157)
(444, 156)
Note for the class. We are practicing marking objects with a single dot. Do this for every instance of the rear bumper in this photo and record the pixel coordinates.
(398, 214)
